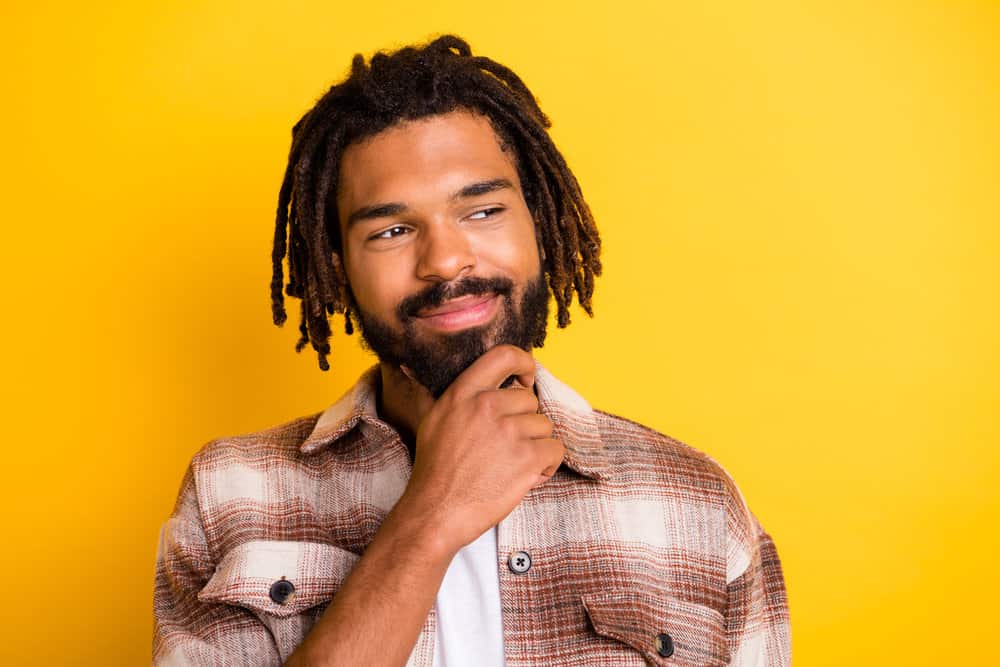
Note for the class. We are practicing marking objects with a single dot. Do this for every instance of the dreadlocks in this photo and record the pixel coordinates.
(413, 83)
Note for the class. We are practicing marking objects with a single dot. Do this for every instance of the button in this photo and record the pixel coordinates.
(519, 562)
(281, 589)
(664, 645)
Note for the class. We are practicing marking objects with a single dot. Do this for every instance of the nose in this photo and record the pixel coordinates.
(445, 253)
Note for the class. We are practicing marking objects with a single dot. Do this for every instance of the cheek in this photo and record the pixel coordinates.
(527, 255)
(377, 288)
(357, 277)
(513, 250)
(370, 294)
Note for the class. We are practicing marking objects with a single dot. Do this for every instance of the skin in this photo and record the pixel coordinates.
(478, 448)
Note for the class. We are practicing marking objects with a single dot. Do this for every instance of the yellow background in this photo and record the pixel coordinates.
(799, 208)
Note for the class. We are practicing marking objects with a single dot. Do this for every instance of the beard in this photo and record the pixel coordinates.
(436, 360)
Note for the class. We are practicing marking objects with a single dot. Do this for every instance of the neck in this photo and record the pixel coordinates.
(402, 403)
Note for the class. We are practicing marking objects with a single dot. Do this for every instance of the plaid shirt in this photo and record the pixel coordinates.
(639, 546)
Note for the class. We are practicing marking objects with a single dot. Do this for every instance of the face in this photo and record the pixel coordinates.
(439, 247)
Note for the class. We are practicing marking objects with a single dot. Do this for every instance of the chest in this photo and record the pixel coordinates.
(588, 572)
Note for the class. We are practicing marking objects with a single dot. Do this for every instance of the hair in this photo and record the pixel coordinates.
(412, 83)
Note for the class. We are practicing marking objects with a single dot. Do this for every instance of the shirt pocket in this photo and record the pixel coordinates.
(692, 634)
(280, 583)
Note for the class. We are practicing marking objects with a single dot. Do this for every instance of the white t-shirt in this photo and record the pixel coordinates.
(469, 631)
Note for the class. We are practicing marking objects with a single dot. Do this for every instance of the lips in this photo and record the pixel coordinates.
(461, 313)
(456, 305)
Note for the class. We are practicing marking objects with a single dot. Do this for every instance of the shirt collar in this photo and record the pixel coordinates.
(573, 420)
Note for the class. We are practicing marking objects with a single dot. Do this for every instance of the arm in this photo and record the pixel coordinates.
(479, 450)
(757, 627)
(377, 614)
(186, 630)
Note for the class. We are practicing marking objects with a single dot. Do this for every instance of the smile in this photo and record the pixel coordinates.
(461, 313)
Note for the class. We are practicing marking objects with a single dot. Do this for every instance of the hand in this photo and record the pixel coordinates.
(481, 448)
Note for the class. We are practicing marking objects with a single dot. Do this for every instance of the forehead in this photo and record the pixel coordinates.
(421, 160)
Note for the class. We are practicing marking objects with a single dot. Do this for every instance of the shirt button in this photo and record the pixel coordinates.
(519, 562)
(280, 590)
(664, 645)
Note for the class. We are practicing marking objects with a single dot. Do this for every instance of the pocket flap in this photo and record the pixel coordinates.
(696, 632)
(246, 575)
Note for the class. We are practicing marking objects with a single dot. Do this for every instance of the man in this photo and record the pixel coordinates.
(459, 505)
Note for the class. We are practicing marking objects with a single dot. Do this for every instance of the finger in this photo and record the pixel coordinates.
(513, 382)
(552, 453)
(531, 426)
(492, 368)
(507, 402)
(541, 479)
(556, 450)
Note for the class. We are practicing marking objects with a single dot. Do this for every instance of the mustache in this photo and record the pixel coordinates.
(437, 294)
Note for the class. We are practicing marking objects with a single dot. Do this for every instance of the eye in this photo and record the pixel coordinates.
(391, 233)
(485, 213)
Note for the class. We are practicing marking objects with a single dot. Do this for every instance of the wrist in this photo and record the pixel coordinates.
(420, 527)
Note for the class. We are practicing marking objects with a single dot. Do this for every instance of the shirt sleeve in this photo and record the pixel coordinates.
(757, 623)
(187, 630)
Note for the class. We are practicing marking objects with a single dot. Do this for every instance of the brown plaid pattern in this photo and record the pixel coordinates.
(636, 536)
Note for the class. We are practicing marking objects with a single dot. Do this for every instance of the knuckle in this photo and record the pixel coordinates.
(514, 354)
(507, 353)
(505, 430)
(520, 402)
(483, 401)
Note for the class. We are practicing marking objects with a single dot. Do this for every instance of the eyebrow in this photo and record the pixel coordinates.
(482, 188)
(376, 211)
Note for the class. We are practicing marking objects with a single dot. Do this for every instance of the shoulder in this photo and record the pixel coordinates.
(630, 444)
(243, 486)
(638, 451)
(271, 445)
(654, 465)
